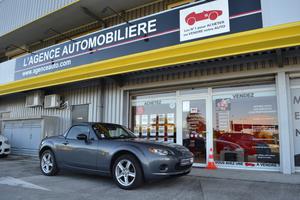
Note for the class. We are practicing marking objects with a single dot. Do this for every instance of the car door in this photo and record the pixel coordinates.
(77, 153)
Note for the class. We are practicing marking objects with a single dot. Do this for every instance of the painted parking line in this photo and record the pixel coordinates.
(11, 181)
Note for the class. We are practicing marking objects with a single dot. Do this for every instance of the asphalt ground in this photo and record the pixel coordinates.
(20, 178)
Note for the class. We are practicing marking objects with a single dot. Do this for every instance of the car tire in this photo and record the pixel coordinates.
(132, 172)
(48, 163)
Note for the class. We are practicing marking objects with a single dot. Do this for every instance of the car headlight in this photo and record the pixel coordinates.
(6, 142)
(161, 152)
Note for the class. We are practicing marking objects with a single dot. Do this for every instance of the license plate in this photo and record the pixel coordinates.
(187, 161)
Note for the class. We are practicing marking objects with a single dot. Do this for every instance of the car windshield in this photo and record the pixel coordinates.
(112, 131)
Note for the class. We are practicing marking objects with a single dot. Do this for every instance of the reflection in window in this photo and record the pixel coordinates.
(246, 129)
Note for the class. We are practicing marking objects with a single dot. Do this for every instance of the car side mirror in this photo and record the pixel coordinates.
(82, 136)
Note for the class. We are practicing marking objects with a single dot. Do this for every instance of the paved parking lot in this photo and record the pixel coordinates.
(20, 178)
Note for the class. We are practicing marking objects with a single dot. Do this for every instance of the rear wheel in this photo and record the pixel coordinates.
(127, 172)
(48, 163)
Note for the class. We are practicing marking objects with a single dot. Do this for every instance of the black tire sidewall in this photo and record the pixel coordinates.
(54, 169)
(3, 155)
(139, 174)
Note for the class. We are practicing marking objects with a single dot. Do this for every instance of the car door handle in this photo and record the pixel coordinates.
(65, 143)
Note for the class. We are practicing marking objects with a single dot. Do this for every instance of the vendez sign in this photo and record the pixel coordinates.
(192, 22)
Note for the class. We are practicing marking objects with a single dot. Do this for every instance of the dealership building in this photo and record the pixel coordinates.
(220, 74)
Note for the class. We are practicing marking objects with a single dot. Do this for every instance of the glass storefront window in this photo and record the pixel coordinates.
(154, 117)
(246, 129)
(194, 128)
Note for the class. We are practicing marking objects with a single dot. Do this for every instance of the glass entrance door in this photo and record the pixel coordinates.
(193, 127)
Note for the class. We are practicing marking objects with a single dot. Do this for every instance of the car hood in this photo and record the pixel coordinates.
(174, 147)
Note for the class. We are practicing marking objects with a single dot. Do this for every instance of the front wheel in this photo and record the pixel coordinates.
(127, 172)
(48, 163)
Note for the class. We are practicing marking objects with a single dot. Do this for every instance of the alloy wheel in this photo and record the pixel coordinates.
(125, 172)
(47, 163)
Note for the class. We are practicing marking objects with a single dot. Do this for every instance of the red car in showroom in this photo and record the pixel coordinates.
(194, 17)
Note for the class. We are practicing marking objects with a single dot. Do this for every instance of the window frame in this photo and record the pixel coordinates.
(68, 132)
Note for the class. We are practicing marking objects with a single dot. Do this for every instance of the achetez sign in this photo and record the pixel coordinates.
(184, 24)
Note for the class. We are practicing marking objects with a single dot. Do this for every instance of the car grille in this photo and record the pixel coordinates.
(178, 167)
(186, 161)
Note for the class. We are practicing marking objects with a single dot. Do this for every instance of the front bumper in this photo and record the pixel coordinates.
(168, 166)
(4, 149)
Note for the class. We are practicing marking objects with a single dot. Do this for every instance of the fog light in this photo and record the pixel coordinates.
(163, 168)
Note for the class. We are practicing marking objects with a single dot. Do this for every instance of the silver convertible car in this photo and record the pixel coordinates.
(113, 150)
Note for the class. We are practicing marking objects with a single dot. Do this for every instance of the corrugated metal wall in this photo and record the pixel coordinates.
(113, 100)
(90, 94)
(237, 66)
(76, 96)
(21, 12)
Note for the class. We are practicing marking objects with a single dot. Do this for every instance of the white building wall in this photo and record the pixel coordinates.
(280, 12)
(7, 70)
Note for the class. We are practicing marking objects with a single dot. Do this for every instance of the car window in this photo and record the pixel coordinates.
(112, 131)
(93, 136)
(75, 130)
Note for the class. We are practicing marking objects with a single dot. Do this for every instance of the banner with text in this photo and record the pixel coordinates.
(184, 24)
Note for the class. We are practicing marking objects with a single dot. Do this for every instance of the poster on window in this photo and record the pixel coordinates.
(144, 131)
(185, 106)
(152, 131)
(144, 119)
(161, 131)
(171, 131)
(153, 118)
(171, 118)
(161, 118)
(138, 120)
(223, 104)
(137, 131)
